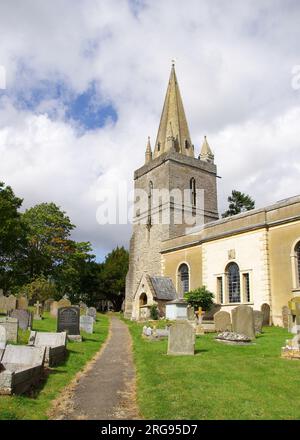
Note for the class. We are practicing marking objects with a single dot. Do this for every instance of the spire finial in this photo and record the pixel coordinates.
(173, 63)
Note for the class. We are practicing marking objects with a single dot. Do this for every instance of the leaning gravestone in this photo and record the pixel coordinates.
(181, 339)
(91, 311)
(53, 309)
(285, 316)
(24, 317)
(265, 308)
(11, 325)
(258, 321)
(47, 304)
(68, 320)
(64, 302)
(87, 324)
(22, 303)
(222, 321)
(243, 321)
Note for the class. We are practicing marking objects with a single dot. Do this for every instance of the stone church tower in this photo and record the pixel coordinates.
(171, 166)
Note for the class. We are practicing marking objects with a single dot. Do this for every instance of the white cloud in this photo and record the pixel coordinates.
(234, 64)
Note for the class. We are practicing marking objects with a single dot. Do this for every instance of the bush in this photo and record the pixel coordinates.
(38, 290)
(200, 297)
(154, 312)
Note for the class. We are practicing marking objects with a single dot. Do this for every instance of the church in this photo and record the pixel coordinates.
(250, 258)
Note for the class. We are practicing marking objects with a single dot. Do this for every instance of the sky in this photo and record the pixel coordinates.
(85, 84)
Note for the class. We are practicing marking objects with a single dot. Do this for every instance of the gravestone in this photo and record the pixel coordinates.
(292, 348)
(181, 339)
(258, 321)
(11, 325)
(91, 311)
(209, 314)
(55, 344)
(24, 318)
(8, 303)
(53, 309)
(38, 311)
(68, 320)
(22, 303)
(243, 321)
(47, 304)
(190, 313)
(87, 324)
(285, 316)
(222, 321)
(3, 338)
(64, 302)
(265, 308)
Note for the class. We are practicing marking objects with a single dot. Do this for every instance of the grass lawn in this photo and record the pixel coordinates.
(219, 382)
(25, 407)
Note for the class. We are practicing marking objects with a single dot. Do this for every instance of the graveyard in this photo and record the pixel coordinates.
(219, 382)
(36, 403)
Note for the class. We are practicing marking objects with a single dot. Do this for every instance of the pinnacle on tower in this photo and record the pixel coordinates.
(206, 153)
(148, 154)
(173, 132)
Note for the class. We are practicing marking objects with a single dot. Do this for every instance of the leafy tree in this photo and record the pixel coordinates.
(39, 289)
(113, 275)
(154, 313)
(238, 202)
(200, 297)
(12, 235)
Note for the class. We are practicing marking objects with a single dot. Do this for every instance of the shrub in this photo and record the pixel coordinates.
(154, 312)
(200, 297)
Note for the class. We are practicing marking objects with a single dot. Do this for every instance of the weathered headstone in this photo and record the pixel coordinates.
(7, 303)
(53, 309)
(64, 302)
(181, 339)
(292, 348)
(209, 314)
(91, 311)
(258, 321)
(22, 303)
(243, 321)
(265, 308)
(38, 311)
(68, 319)
(24, 318)
(47, 304)
(55, 344)
(222, 321)
(190, 313)
(11, 325)
(285, 316)
(87, 323)
(3, 338)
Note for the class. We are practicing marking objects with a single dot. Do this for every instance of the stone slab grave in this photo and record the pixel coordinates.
(242, 318)
(222, 321)
(87, 323)
(47, 304)
(91, 311)
(24, 318)
(53, 309)
(7, 303)
(155, 333)
(258, 321)
(181, 339)
(22, 303)
(55, 344)
(68, 319)
(233, 338)
(21, 368)
(11, 325)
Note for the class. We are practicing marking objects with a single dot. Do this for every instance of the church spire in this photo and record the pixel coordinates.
(173, 129)
(206, 153)
(148, 154)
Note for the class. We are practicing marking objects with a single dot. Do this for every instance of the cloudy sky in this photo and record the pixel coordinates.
(85, 83)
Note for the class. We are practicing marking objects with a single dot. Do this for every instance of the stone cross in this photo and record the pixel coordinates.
(37, 313)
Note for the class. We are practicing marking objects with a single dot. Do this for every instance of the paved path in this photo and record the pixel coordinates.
(107, 390)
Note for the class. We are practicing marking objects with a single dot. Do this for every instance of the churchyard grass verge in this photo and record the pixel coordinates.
(35, 407)
(220, 382)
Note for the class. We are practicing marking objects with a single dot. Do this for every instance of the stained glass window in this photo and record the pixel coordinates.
(233, 279)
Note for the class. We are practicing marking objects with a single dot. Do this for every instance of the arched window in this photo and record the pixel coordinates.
(186, 143)
(158, 146)
(193, 191)
(297, 252)
(150, 197)
(233, 283)
(183, 279)
(143, 299)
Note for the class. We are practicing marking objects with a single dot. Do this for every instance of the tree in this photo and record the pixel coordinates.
(113, 276)
(12, 235)
(200, 297)
(39, 290)
(238, 202)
